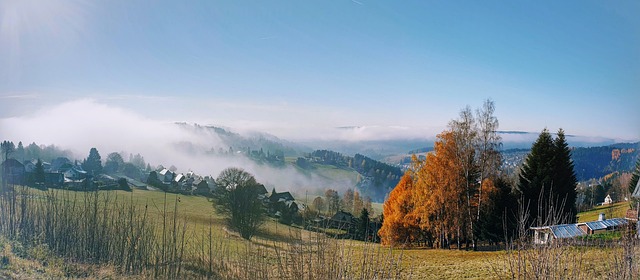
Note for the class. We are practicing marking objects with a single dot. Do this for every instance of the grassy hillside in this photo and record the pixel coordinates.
(616, 210)
(278, 251)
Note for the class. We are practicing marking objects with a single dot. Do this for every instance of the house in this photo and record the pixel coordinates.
(30, 166)
(342, 220)
(278, 197)
(602, 225)
(105, 181)
(547, 234)
(61, 164)
(165, 176)
(179, 178)
(607, 200)
(75, 173)
(201, 186)
(53, 179)
(13, 171)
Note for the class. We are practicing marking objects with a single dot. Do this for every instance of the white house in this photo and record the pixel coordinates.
(607, 200)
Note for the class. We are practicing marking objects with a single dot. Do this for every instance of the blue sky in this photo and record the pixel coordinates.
(288, 66)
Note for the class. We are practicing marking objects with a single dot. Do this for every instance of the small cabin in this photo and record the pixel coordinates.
(547, 234)
(607, 200)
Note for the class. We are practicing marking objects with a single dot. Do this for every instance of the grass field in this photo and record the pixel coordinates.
(276, 239)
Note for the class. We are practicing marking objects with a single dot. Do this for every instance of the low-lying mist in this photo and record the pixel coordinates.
(82, 124)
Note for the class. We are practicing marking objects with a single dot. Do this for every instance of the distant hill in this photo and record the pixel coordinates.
(376, 179)
(596, 162)
(589, 162)
(254, 141)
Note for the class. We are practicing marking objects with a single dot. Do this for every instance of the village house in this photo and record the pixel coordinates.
(13, 172)
(342, 220)
(547, 234)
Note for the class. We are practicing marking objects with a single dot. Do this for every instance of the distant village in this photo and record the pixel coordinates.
(63, 173)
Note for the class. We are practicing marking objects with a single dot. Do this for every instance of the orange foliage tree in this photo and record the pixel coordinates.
(451, 190)
(399, 226)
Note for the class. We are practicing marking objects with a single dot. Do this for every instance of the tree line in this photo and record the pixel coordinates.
(376, 178)
(458, 195)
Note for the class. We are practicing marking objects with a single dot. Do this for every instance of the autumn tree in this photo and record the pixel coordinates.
(333, 200)
(453, 187)
(489, 158)
(367, 204)
(347, 200)
(319, 204)
(358, 203)
(464, 135)
(399, 225)
(440, 198)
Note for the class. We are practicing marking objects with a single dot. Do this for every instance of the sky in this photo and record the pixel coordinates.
(299, 69)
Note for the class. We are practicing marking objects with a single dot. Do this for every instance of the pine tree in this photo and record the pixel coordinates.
(564, 177)
(39, 174)
(363, 225)
(535, 181)
(93, 163)
(547, 181)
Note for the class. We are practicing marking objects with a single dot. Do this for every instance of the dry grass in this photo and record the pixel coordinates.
(283, 252)
(157, 235)
(616, 210)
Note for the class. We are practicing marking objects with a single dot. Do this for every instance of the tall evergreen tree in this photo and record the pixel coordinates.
(20, 152)
(7, 148)
(564, 177)
(547, 181)
(93, 163)
(535, 179)
(363, 225)
(39, 173)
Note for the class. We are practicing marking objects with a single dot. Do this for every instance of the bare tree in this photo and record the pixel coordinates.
(236, 196)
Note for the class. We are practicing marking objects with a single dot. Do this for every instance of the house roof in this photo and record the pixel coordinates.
(343, 217)
(567, 231)
(609, 223)
(59, 162)
(573, 230)
(636, 192)
(563, 231)
(283, 196)
(12, 163)
(179, 177)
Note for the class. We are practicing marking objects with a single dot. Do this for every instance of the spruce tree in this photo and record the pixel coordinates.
(93, 163)
(547, 181)
(535, 179)
(564, 177)
(39, 173)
